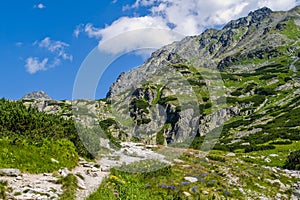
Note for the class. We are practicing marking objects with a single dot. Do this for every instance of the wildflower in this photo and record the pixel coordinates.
(168, 186)
(185, 183)
(194, 189)
(226, 193)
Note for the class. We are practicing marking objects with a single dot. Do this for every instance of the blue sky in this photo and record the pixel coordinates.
(44, 43)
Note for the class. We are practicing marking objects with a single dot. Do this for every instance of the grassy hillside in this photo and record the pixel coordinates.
(30, 140)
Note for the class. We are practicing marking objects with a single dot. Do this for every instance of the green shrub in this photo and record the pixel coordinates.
(3, 188)
(281, 142)
(258, 148)
(265, 91)
(69, 186)
(105, 124)
(216, 158)
(293, 161)
(160, 137)
(19, 123)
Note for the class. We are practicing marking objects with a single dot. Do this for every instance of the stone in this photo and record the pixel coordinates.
(178, 161)
(54, 161)
(90, 164)
(10, 172)
(282, 186)
(187, 194)
(231, 154)
(105, 168)
(205, 192)
(268, 160)
(80, 183)
(64, 172)
(191, 179)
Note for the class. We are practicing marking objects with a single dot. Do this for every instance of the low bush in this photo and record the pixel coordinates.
(258, 148)
(293, 161)
(216, 158)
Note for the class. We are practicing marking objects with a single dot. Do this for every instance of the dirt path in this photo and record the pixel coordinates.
(89, 175)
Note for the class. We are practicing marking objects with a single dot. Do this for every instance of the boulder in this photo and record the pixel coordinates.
(191, 179)
(10, 172)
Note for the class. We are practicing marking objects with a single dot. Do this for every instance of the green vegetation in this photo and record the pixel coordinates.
(160, 137)
(105, 125)
(38, 159)
(30, 139)
(3, 188)
(258, 148)
(69, 186)
(140, 180)
(280, 160)
(290, 29)
(293, 161)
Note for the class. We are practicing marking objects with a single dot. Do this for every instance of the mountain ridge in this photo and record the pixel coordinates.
(201, 50)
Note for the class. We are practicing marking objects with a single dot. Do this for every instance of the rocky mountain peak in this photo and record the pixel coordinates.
(38, 95)
(262, 12)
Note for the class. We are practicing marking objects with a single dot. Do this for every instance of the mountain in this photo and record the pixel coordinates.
(229, 89)
(40, 95)
(244, 76)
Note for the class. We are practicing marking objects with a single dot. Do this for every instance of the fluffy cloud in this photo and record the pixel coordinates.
(186, 17)
(34, 65)
(127, 34)
(55, 49)
(19, 44)
(39, 6)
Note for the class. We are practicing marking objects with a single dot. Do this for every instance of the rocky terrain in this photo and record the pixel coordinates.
(25, 186)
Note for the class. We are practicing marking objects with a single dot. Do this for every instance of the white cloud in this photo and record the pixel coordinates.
(55, 49)
(33, 64)
(58, 48)
(92, 31)
(79, 28)
(133, 33)
(19, 44)
(187, 17)
(39, 6)
(126, 24)
(138, 39)
(278, 4)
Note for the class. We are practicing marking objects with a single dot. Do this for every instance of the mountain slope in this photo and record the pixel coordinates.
(245, 75)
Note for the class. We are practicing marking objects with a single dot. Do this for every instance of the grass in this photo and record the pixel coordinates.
(219, 177)
(69, 186)
(291, 30)
(282, 151)
(3, 188)
(37, 159)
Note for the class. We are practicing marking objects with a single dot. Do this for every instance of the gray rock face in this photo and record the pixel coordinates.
(216, 119)
(10, 172)
(40, 95)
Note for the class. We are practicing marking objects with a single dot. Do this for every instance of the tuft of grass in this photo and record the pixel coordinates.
(3, 188)
(69, 186)
(37, 159)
